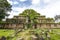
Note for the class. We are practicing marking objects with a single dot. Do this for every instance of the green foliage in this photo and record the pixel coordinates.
(6, 32)
(31, 13)
(4, 8)
(55, 34)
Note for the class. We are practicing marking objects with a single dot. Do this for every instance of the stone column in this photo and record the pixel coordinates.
(25, 26)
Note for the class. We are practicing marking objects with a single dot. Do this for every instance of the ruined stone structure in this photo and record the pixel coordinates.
(22, 21)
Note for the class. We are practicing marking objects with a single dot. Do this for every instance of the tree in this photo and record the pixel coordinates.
(32, 16)
(31, 13)
(4, 8)
(57, 18)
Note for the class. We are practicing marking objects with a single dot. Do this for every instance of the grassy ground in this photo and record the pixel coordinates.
(6, 32)
(55, 33)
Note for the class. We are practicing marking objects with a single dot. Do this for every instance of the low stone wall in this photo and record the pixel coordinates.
(41, 25)
(53, 25)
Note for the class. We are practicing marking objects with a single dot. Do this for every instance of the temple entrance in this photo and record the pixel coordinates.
(35, 26)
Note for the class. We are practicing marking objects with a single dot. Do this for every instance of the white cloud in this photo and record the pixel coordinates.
(15, 2)
(16, 11)
(50, 10)
(23, 0)
(50, 1)
(35, 1)
(10, 2)
(11, 14)
(19, 9)
(46, 1)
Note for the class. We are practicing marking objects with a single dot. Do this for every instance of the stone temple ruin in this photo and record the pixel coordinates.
(21, 21)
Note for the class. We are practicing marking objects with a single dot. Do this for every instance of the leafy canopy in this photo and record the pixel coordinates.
(4, 8)
(31, 13)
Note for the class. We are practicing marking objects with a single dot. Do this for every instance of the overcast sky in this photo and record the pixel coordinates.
(49, 8)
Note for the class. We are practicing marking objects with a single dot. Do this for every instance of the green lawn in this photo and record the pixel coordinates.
(6, 32)
(55, 33)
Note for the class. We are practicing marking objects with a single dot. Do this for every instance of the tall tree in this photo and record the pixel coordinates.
(32, 16)
(31, 13)
(57, 18)
(4, 8)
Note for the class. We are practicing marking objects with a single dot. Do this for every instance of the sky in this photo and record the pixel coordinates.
(49, 8)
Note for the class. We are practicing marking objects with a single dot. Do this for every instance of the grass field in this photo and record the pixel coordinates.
(6, 32)
(54, 34)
